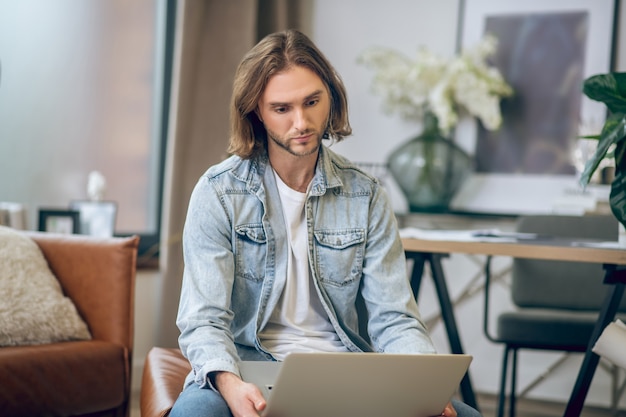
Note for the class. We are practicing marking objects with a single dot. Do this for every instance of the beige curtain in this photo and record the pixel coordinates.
(212, 37)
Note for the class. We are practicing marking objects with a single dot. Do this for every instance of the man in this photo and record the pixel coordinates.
(281, 238)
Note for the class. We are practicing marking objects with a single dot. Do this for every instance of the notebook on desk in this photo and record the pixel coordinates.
(357, 384)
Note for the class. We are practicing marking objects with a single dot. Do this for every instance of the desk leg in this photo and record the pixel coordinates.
(447, 312)
(590, 362)
(451, 329)
(416, 275)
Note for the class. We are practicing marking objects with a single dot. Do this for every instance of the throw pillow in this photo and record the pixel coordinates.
(33, 308)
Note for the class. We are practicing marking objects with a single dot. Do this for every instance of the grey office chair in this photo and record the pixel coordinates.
(556, 302)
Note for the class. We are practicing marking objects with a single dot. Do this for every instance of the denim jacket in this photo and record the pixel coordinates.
(235, 247)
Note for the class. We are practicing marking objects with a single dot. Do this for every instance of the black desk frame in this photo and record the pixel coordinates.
(447, 312)
(615, 277)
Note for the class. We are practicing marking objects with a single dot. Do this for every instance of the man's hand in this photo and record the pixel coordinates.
(243, 399)
(449, 411)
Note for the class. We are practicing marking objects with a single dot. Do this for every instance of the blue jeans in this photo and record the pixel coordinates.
(200, 402)
(204, 402)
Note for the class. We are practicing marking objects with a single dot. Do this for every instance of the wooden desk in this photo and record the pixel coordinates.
(432, 251)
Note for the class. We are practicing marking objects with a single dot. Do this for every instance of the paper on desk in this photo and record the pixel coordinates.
(483, 235)
(611, 344)
(415, 233)
(601, 245)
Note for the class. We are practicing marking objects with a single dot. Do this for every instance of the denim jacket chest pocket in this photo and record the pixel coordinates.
(250, 251)
(339, 255)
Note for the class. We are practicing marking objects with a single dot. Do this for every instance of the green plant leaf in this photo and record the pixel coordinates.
(609, 89)
(614, 131)
(617, 198)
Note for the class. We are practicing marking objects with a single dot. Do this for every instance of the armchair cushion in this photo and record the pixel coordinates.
(34, 309)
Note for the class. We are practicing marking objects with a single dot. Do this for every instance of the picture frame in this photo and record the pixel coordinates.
(546, 48)
(59, 221)
(97, 218)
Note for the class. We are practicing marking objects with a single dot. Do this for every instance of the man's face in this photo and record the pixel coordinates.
(294, 108)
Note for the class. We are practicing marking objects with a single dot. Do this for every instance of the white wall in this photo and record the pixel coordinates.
(147, 291)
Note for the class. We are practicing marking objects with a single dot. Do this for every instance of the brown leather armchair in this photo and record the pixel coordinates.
(79, 378)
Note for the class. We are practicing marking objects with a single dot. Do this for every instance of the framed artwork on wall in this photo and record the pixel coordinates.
(59, 221)
(546, 48)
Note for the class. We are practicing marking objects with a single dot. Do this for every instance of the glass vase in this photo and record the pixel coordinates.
(429, 169)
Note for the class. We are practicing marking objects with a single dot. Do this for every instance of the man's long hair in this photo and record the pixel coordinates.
(273, 54)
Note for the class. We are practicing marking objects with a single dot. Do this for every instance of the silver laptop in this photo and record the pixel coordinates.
(357, 384)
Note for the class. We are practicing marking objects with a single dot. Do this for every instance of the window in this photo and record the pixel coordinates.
(84, 86)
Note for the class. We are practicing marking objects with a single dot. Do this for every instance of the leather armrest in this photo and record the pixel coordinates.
(164, 374)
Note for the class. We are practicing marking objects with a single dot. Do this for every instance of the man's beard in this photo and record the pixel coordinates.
(286, 143)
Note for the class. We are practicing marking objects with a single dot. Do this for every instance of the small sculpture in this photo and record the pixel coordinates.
(96, 185)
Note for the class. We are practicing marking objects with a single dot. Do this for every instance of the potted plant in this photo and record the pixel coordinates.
(610, 89)
(436, 92)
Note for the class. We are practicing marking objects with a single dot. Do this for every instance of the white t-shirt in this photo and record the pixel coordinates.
(299, 322)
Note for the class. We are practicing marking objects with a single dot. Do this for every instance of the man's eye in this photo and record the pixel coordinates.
(312, 102)
(280, 109)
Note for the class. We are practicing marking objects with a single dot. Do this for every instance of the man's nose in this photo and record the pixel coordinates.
(300, 119)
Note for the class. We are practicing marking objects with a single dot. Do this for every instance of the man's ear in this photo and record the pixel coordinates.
(258, 113)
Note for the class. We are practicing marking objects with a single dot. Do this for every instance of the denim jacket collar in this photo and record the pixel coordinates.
(325, 177)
